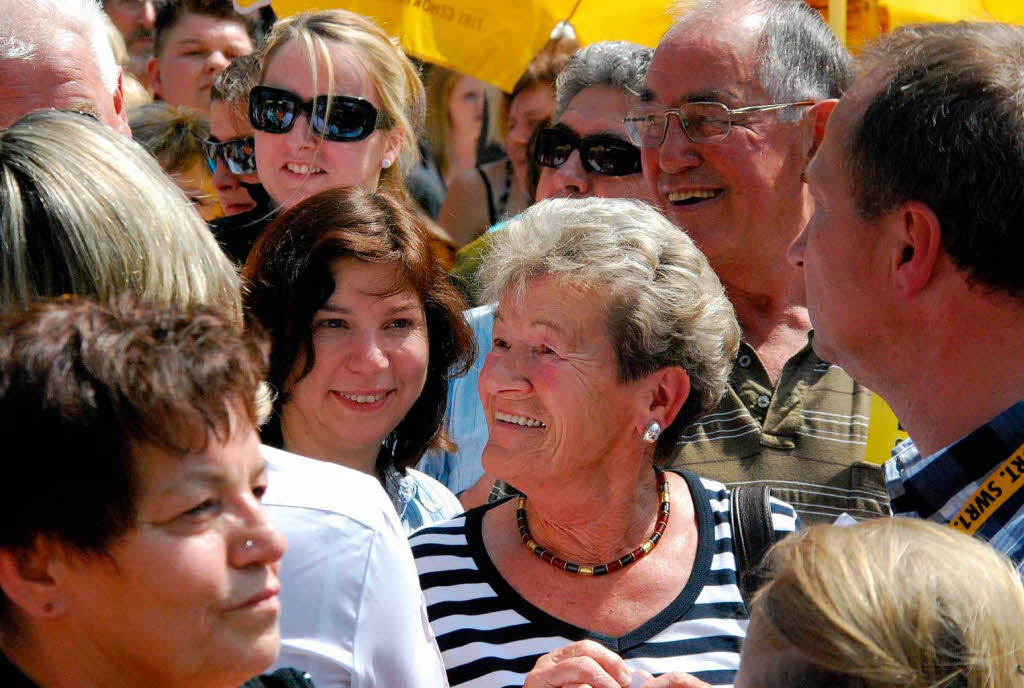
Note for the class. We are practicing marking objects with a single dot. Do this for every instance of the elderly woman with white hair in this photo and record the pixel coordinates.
(611, 334)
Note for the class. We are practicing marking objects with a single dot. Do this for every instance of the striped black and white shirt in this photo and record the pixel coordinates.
(490, 636)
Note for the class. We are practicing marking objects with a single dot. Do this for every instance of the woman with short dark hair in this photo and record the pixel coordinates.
(134, 550)
(366, 331)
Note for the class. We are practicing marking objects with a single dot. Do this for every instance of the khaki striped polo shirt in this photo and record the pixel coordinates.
(805, 437)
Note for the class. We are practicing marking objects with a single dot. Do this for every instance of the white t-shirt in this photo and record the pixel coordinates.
(352, 611)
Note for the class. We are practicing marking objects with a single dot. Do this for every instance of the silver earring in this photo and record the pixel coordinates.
(249, 544)
(385, 163)
(653, 432)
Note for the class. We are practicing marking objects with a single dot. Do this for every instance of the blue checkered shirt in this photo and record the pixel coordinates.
(936, 487)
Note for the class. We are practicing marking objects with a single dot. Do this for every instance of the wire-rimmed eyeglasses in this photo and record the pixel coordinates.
(702, 122)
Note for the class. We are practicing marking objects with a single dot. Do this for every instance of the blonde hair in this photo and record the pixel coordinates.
(437, 130)
(393, 75)
(173, 135)
(896, 602)
(84, 210)
(135, 94)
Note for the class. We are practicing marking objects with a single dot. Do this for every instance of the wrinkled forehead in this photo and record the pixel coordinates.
(702, 61)
(65, 80)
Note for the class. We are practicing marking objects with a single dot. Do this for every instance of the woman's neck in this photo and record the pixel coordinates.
(50, 665)
(603, 516)
(298, 438)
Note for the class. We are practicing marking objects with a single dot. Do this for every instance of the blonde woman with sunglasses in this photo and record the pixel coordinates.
(337, 105)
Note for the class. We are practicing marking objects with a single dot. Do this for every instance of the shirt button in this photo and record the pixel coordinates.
(763, 401)
(744, 361)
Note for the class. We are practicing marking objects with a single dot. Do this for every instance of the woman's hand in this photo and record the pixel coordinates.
(586, 663)
(676, 679)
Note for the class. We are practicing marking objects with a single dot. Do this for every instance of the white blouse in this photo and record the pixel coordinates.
(352, 610)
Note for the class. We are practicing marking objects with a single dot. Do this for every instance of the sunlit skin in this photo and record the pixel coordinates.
(225, 126)
(594, 110)
(297, 164)
(179, 599)
(844, 265)
(371, 355)
(66, 80)
(528, 109)
(757, 202)
(195, 51)
(552, 362)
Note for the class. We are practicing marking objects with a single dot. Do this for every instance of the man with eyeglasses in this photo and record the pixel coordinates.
(587, 152)
(729, 113)
(912, 265)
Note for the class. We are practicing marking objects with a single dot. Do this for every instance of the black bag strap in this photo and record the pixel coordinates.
(282, 678)
(750, 519)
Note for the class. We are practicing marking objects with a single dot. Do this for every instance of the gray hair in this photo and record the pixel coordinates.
(612, 63)
(30, 29)
(84, 210)
(799, 56)
(665, 305)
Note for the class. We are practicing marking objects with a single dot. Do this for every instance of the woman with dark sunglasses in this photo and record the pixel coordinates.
(230, 151)
(336, 105)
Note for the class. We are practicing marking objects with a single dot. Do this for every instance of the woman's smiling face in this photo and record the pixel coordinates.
(550, 386)
(372, 350)
(297, 164)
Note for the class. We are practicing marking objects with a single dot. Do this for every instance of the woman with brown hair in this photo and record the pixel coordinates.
(365, 330)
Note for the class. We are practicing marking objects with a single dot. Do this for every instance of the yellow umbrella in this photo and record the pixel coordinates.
(911, 11)
(494, 41)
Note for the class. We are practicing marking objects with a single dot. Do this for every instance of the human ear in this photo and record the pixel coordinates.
(666, 392)
(26, 580)
(917, 247)
(153, 72)
(393, 140)
(818, 116)
(120, 111)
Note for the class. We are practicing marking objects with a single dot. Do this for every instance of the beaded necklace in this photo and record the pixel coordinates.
(614, 565)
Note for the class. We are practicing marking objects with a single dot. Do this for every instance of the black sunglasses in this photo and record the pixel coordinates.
(238, 154)
(274, 110)
(599, 154)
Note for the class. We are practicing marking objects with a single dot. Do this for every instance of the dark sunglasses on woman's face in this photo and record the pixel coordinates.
(599, 154)
(238, 154)
(348, 118)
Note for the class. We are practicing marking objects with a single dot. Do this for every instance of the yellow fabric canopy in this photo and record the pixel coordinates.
(494, 41)
(912, 11)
